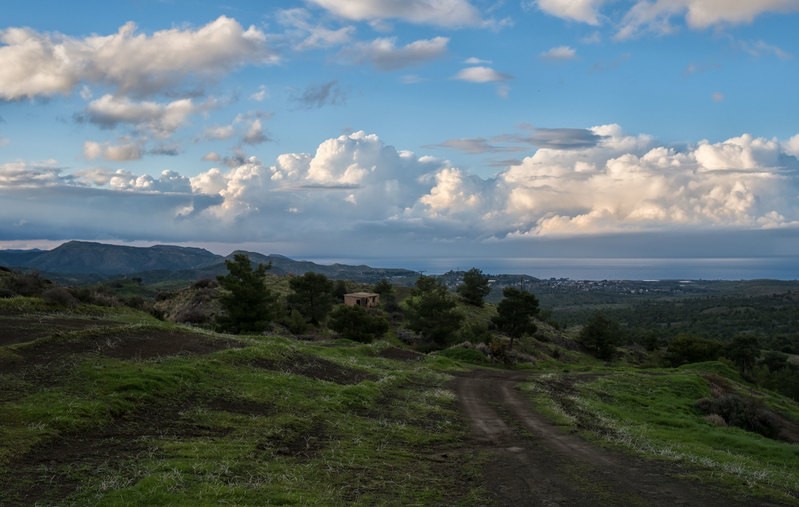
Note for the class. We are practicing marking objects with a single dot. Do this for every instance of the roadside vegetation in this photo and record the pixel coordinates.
(260, 389)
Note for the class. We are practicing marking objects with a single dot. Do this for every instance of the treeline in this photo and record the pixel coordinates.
(773, 318)
(429, 316)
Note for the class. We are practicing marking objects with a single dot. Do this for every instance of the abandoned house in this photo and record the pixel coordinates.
(365, 299)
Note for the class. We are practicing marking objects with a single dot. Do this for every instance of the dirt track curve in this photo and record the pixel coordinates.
(534, 462)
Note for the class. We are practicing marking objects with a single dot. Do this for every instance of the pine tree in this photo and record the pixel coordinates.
(249, 305)
(474, 288)
(431, 311)
(312, 296)
(515, 313)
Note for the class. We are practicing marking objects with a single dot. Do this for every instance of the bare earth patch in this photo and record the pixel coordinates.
(148, 344)
(315, 368)
(54, 469)
(399, 354)
(533, 462)
(19, 329)
(45, 362)
(129, 344)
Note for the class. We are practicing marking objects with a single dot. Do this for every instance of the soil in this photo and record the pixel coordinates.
(126, 344)
(315, 368)
(17, 329)
(534, 462)
(50, 471)
(149, 343)
(45, 362)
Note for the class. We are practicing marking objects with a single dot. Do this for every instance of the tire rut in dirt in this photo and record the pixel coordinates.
(533, 462)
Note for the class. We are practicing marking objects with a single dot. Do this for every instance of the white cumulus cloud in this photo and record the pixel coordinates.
(560, 53)
(45, 64)
(481, 74)
(578, 182)
(659, 16)
(447, 13)
(118, 152)
(585, 11)
(161, 119)
(384, 53)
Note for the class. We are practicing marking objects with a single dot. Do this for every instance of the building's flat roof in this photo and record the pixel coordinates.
(362, 294)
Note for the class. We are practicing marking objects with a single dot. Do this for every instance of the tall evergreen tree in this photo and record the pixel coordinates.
(431, 311)
(388, 298)
(249, 305)
(515, 313)
(600, 335)
(474, 288)
(744, 350)
(313, 296)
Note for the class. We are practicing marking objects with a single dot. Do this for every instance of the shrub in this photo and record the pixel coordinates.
(59, 296)
(206, 283)
(30, 284)
(357, 324)
(686, 348)
(745, 413)
(136, 302)
(600, 335)
(715, 420)
(295, 322)
(464, 354)
(475, 332)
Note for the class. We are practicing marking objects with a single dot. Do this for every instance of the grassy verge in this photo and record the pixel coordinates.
(654, 413)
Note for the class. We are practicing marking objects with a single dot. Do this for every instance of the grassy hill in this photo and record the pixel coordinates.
(111, 407)
(107, 405)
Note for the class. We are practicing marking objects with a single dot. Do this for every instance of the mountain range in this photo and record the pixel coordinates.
(90, 261)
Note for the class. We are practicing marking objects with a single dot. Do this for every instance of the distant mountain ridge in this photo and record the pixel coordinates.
(90, 259)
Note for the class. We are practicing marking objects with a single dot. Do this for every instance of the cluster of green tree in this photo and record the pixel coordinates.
(431, 310)
(773, 318)
(771, 369)
(251, 307)
(602, 335)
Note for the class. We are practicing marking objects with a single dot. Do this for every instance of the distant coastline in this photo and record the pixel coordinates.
(743, 268)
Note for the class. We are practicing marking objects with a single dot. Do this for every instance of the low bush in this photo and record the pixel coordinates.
(59, 296)
(467, 355)
(741, 412)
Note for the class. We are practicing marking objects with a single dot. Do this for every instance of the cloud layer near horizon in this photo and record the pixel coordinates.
(356, 184)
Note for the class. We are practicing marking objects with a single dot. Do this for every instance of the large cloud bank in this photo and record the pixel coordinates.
(354, 186)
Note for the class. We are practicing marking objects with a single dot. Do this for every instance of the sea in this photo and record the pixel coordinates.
(750, 268)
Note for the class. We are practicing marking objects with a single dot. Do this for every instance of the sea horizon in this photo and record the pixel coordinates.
(784, 268)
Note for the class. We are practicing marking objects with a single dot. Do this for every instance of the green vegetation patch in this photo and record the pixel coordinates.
(255, 420)
(656, 413)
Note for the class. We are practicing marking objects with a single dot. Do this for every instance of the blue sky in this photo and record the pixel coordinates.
(369, 128)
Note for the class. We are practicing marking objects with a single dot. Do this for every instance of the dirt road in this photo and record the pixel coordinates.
(537, 463)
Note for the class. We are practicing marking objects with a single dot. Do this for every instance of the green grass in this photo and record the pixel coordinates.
(653, 413)
(233, 431)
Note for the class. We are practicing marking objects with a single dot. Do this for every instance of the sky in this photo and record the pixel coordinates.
(420, 129)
